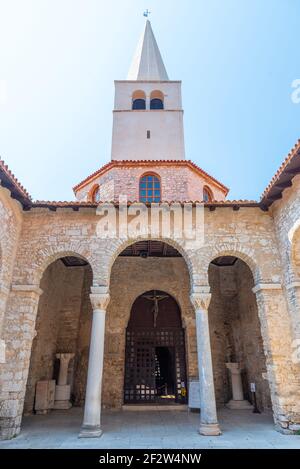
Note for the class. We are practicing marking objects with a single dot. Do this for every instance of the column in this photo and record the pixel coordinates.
(92, 409)
(208, 413)
(62, 389)
(237, 402)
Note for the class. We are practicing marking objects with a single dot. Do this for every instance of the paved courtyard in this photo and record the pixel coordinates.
(151, 429)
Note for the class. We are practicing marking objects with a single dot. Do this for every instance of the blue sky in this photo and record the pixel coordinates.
(237, 60)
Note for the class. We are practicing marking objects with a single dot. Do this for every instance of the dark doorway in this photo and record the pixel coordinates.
(165, 372)
(155, 370)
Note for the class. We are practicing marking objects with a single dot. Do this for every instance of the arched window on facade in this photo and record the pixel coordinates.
(150, 188)
(138, 100)
(207, 194)
(156, 100)
(94, 195)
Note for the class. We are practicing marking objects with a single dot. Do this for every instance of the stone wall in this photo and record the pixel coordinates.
(177, 183)
(11, 222)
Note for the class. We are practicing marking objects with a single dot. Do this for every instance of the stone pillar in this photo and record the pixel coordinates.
(200, 299)
(18, 333)
(277, 339)
(293, 300)
(62, 389)
(92, 409)
(237, 401)
(4, 292)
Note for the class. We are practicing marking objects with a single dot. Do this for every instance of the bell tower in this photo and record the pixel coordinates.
(148, 115)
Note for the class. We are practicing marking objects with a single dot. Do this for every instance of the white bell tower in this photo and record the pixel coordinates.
(148, 115)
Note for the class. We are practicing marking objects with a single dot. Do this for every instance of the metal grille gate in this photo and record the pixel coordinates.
(140, 385)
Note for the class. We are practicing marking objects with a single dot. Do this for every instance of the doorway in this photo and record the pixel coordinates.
(155, 368)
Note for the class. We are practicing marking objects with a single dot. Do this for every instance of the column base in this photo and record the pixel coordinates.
(90, 431)
(62, 405)
(239, 405)
(209, 429)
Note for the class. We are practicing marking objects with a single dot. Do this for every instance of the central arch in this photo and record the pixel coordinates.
(155, 367)
(142, 267)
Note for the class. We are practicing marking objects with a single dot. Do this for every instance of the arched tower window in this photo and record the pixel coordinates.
(156, 100)
(207, 194)
(150, 188)
(138, 100)
(94, 195)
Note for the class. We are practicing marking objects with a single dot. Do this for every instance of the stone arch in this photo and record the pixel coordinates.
(237, 250)
(45, 257)
(139, 100)
(156, 100)
(122, 244)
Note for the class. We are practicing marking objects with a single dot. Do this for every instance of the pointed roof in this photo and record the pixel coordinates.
(147, 62)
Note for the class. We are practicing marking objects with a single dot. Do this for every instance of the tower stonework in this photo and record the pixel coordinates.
(148, 133)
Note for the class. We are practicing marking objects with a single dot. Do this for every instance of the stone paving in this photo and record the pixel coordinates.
(150, 430)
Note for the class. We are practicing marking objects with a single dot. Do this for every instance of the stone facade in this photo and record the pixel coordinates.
(178, 183)
(246, 312)
(249, 234)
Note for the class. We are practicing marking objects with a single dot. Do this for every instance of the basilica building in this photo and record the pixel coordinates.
(100, 319)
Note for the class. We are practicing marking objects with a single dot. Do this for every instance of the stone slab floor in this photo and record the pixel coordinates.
(150, 429)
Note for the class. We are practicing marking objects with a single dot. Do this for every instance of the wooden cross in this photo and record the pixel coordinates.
(155, 298)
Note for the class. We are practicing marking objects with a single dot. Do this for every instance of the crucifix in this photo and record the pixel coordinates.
(155, 298)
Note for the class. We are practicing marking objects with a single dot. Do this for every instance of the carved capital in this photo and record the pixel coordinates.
(65, 357)
(201, 300)
(99, 301)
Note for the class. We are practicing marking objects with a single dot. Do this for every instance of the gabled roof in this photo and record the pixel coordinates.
(131, 163)
(147, 62)
(8, 180)
(283, 177)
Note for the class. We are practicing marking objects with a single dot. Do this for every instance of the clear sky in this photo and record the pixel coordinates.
(237, 60)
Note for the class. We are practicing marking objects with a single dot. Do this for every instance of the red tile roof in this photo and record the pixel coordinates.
(283, 176)
(9, 180)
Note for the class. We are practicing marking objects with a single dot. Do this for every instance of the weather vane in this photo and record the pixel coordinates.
(147, 13)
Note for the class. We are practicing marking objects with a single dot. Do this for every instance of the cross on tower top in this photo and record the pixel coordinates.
(147, 13)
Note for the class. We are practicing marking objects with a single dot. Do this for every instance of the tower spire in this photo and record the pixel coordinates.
(147, 63)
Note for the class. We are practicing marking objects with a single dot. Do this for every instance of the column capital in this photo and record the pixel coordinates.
(65, 356)
(266, 286)
(200, 300)
(234, 368)
(99, 300)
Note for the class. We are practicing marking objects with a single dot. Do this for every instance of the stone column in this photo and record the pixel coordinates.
(277, 339)
(62, 389)
(92, 409)
(237, 402)
(208, 416)
(64, 359)
(18, 333)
